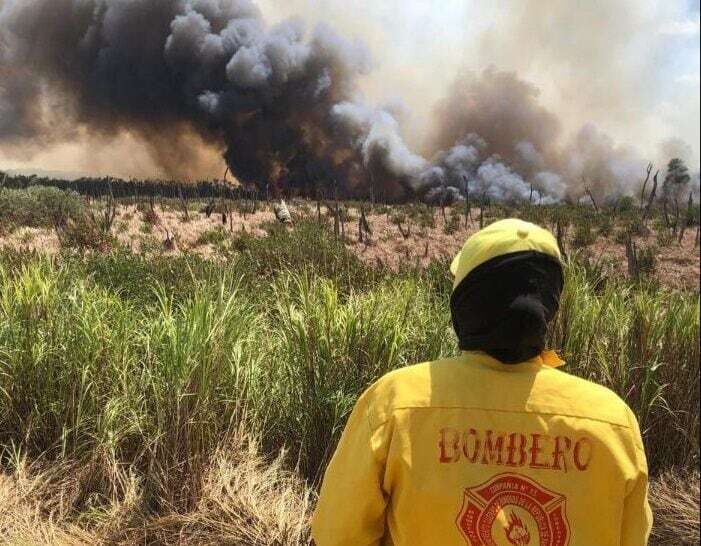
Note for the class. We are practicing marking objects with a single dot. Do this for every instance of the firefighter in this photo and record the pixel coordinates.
(497, 445)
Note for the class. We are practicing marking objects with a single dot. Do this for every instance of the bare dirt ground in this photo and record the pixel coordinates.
(676, 265)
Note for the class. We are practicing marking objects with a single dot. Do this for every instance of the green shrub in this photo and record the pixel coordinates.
(647, 260)
(583, 234)
(38, 206)
(605, 225)
(83, 234)
(632, 222)
(215, 236)
(625, 204)
(665, 238)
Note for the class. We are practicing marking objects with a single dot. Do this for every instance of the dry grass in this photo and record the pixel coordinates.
(675, 500)
(245, 500)
(677, 265)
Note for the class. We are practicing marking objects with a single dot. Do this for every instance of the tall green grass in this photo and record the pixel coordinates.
(643, 342)
(153, 364)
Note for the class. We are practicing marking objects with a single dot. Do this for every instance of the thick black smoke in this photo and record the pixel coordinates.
(163, 68)
(279, 102)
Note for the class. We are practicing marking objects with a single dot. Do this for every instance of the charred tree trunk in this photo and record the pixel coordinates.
(560, 236)
(336, 219)
(364, 230)
(651, 199)
(593, 201)
(632, 257)
(318, 207)
(482, 204)
(183, 204)
(468, 214)
(687, 218)
(647, 178)
(665, 212)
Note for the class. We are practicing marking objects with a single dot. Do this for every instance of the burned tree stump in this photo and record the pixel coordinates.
(647, 178)
(364, 230)
(687, 219)
(208, 209)
(593, 201)
(183, 204)
(651, 198)
(632, 257)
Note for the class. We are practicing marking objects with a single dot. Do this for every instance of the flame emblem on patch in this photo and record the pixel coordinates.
(517, 532)
(496, 510)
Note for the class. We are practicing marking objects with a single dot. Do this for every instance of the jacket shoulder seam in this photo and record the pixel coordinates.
(500, 410)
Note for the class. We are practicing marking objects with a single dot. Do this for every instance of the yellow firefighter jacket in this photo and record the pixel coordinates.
(472, 451)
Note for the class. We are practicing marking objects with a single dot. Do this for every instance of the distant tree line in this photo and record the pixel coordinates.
(119, 188)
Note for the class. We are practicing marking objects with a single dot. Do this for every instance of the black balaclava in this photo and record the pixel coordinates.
(504, 305)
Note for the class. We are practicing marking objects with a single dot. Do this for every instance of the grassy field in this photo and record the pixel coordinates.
(152, 397)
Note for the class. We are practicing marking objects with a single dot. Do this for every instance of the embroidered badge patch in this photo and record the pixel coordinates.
(513, 510)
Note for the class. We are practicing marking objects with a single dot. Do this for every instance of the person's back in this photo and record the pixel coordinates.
(471, 450)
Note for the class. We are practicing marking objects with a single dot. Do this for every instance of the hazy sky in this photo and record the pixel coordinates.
(629, 66)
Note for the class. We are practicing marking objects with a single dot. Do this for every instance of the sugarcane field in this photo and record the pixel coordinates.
(330, 274)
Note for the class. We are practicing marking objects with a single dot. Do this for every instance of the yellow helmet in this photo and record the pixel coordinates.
(499, 238)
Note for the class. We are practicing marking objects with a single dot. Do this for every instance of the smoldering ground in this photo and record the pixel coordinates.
(280, 102)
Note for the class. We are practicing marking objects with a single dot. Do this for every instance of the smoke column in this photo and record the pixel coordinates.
(281, 104)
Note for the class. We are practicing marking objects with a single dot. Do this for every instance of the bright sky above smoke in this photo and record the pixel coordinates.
(631, 67)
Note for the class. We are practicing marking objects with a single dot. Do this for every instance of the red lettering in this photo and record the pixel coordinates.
(492, 449)
(512, 449)
(559, 452)
(450, 448)
(536, 450)
(476, 444)
(582, 460)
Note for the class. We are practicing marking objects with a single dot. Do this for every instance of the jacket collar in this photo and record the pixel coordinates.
(547, 359)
